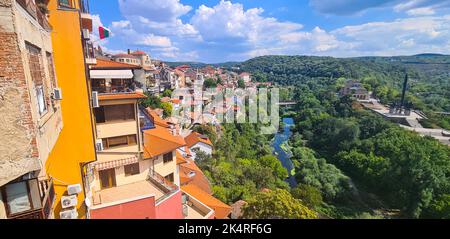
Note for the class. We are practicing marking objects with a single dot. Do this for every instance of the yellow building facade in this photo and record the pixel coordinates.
(75, 146)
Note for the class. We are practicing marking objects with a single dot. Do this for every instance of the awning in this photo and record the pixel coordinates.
(111, 74)
(116, 163)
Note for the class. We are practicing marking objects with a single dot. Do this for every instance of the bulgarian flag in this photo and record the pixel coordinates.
(103, 32)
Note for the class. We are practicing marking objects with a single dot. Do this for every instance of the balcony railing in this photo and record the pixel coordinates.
(35, 13)
(114, 89)
(47, 195)
(165, 185)
(89, 53)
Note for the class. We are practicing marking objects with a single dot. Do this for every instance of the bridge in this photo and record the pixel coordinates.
(442, 113)
(287, 103)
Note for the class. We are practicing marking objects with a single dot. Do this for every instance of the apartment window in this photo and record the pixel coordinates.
(21, 197)
(51, 69)
(107, 178)
(65, 3)
(120, 141)
(112, 113)
(99, 115)
(121, 85)
(168, 157)
(132, 169)
(99, 85)
(169, 177)
(37, 76)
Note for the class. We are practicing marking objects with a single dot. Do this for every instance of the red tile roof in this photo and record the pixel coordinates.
(175, 101)
(180, 158)
(105, 65)
(122, 96)
(221, 209)
(190, 173)
(195, 137)
(160, 141)
(122, 55)
(138, 53)
(157, 120)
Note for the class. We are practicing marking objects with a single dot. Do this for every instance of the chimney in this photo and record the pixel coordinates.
(129, 51)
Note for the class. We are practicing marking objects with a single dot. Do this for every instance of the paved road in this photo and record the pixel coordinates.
(435, 133)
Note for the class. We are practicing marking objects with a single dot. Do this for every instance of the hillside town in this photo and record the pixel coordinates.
(84, 145)
(93, 133)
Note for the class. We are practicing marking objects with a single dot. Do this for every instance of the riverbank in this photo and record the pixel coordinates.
(282, 150)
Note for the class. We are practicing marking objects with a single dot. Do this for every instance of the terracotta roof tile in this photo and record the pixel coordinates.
(138, 53)
(221, 209)
(190, 173)
(105, 64)
(122, 96)
(180, 158)
(157, 120)
(160, 141)
(194, 138)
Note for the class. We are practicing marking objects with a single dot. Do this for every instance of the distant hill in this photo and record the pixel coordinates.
(429, 74)
(201, 64)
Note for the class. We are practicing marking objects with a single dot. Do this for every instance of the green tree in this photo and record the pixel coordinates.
(275, 165)
(277, 203)
(167, 93)
(308, 194)
(167, 107)
(241, 84)
(151, 101)
(209, 83)
(440, 208)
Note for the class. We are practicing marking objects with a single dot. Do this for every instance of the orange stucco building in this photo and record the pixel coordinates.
(71, 21)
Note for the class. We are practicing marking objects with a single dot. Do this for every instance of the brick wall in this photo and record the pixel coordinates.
(18, 149)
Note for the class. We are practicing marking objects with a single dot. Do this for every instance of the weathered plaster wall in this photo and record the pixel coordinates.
(27, 137)
(18, 147)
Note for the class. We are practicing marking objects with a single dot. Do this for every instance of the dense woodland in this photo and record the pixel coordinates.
(349, 163)
(429, 74)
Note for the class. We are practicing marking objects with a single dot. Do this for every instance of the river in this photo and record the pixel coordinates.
(282, 155)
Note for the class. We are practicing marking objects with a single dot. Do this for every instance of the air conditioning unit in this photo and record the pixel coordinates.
(74, 189)
(99, 145)
(185, 210)
(95, 103)
(57, 94)
(69, 201)
(86, 34)
(69, 214)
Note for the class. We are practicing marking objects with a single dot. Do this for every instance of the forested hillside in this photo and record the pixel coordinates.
(429, 74)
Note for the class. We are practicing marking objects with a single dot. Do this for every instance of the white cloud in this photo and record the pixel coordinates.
(230, 21)
(228, 31)
(125, 30)
(349, 7)
(403, 36)
(157, 10)
(422, 11)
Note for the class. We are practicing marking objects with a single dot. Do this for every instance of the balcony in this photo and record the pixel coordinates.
(30, 7)
(89, 53)
(163, 184)
(115, 89)
(46, 197)
(194, 209)
(156, 186)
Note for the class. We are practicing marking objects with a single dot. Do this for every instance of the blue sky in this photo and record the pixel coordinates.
(235, 30)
